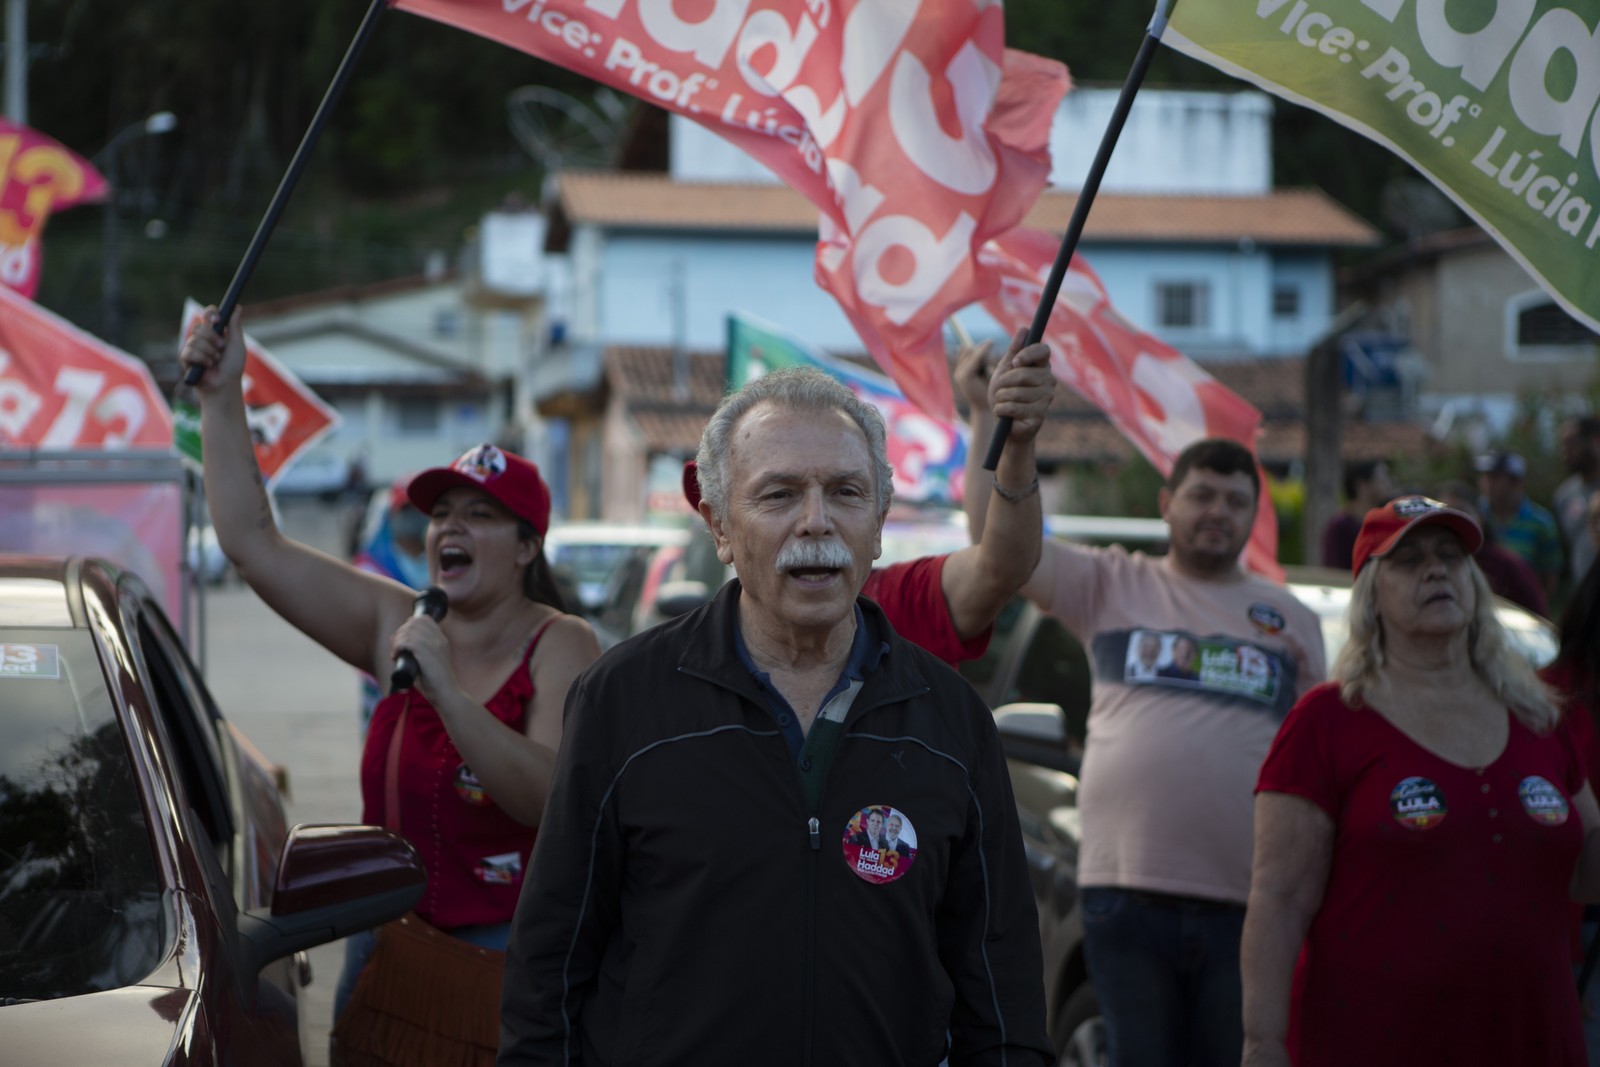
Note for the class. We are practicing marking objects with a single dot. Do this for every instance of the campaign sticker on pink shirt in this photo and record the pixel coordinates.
(879, 843)
(468, 788)
(1542, 801)
(1418, 804)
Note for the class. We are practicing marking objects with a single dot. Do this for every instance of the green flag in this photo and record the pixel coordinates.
(756, 347)
(1494, 100)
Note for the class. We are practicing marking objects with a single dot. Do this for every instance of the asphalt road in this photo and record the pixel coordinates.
(299, 705)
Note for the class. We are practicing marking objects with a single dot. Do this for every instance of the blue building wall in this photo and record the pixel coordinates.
(656, 288)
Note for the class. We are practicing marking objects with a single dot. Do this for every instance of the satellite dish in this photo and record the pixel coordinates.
(558, 130)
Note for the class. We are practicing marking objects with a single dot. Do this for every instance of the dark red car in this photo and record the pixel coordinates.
(153, 900)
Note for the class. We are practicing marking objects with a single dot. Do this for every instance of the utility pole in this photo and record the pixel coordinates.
(17, 61)
(1324, 407)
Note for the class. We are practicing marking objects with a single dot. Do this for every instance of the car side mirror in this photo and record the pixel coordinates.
(1036, 733)
(680, 598)
(333, 881)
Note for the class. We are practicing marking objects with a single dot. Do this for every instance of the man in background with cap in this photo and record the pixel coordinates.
(1518, 524)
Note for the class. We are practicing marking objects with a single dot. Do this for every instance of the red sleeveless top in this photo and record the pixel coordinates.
(475, 854)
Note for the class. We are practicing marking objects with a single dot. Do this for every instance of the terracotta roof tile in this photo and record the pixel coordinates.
(673, 432)
(1281, 217)
(642, 378)
(653, 200)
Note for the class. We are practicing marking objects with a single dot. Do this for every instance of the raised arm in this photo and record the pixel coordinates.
(1005, 523)
(333, 603)
(1294, 849)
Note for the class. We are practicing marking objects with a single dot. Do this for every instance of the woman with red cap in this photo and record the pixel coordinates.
(1420, 829)
(474, 742)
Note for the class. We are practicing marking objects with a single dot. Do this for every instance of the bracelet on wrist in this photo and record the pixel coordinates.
(1014, 497)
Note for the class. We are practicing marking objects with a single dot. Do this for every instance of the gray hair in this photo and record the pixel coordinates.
(793, 389)
(1495, 660)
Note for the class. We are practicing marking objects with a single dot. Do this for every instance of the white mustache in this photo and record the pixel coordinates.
(812, 555)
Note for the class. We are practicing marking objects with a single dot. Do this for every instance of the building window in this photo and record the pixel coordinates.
(447, 322)
(1285, 301)
(417, 416)
(1537, 328)
(1183, 305)
(1549, 324)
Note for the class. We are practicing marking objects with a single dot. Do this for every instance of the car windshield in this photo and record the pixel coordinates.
(79, 897)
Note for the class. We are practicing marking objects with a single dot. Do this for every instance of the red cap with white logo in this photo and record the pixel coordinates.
(1383, 527)
(506, 476)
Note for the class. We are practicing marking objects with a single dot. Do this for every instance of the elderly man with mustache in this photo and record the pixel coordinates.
(703, 889)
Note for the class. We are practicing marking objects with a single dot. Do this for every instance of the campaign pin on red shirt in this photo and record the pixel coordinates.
(1542, 801)
(1418, 804)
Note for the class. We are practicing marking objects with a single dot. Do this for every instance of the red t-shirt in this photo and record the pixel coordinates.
(1443, 931)
(911, 596)
(474, 853)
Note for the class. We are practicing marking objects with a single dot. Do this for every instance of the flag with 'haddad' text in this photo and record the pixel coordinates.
(910, 126)
(37, 176)
(1156, 397)
(1493, 100)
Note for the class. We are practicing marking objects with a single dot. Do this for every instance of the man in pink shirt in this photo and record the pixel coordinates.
(1169, 769)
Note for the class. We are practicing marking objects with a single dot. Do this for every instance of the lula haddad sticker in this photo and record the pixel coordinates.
(1418, 804)
(879, 843)
(1542, 801)
(468, 788)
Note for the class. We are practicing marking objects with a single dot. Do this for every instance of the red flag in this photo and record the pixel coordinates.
(1158, 398)
(62, 388)
(37, 176)
(909, 125)
(285, 416)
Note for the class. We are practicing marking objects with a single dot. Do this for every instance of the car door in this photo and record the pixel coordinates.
(236, 844)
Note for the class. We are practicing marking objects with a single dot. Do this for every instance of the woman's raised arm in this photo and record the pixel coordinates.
(333, 603)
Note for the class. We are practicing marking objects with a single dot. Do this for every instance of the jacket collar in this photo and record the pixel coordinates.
(710, 651)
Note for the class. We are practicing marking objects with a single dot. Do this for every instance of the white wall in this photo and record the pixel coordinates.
(1174, 141)
(1184, 141)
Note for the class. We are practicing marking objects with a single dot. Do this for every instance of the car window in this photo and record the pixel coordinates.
(1054, 670)
(189, 720)
(80, 901)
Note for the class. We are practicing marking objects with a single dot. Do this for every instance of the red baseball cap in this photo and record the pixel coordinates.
(505, 476)
(691, 485)
(1383, 527)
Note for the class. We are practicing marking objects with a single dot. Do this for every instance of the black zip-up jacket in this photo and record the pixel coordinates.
(683, 905)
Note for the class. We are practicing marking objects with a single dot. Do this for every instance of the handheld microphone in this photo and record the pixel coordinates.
(433, 603)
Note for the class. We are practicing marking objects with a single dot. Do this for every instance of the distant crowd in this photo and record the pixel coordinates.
(1532, 555)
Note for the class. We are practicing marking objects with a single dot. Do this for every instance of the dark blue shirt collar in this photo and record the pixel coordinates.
(867, 650)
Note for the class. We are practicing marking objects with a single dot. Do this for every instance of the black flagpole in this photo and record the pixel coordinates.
(1080, 212)
(291, 177)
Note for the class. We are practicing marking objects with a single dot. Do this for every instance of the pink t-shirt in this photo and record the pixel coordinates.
(1191, 681)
